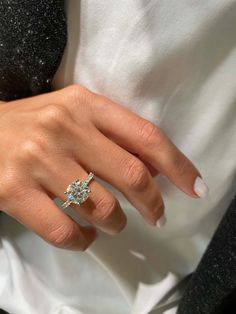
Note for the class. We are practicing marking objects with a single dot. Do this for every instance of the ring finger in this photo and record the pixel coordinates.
(101, 209)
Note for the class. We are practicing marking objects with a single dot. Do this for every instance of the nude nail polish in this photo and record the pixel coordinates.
(200, 187)
(161, 221)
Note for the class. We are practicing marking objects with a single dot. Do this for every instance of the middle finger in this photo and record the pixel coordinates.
(124, 171)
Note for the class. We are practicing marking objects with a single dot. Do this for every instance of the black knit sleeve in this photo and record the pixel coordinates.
(33, 36)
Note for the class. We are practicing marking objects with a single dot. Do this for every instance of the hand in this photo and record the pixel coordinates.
(49, 140)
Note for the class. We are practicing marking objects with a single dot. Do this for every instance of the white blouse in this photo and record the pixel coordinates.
(173, 63)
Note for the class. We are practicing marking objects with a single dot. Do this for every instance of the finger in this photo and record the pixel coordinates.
(123, 171)
(101, 209)
(34, 209)
(144, 138)
(154, 172)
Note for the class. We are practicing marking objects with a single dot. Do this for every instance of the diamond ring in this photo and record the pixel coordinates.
(78, 191)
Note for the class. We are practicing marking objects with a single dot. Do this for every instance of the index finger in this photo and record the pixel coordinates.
(145, 139)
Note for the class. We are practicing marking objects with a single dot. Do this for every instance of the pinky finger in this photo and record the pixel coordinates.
(37, 211)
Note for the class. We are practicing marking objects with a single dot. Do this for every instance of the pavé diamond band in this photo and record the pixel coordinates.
(78, 191)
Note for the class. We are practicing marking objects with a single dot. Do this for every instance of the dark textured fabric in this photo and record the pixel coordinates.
(212, 288)
(33, 36)
(3, 312)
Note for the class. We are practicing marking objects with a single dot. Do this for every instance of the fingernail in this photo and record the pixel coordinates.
(200, 187)
(161, 221)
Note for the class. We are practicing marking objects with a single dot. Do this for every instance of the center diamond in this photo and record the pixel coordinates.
(78, 192)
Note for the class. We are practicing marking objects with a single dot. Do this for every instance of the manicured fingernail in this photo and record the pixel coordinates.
(161, 221)
(200, 187)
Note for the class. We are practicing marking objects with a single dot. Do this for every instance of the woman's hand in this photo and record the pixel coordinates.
(50, 140)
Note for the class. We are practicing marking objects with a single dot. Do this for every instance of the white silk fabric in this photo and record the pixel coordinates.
(173, 63)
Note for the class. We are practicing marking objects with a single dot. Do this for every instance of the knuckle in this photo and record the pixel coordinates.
(53, 115)
(77, 93)
(32, 148)
(149, 133)
(105, 208)
(61, 236)
(136, 175)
